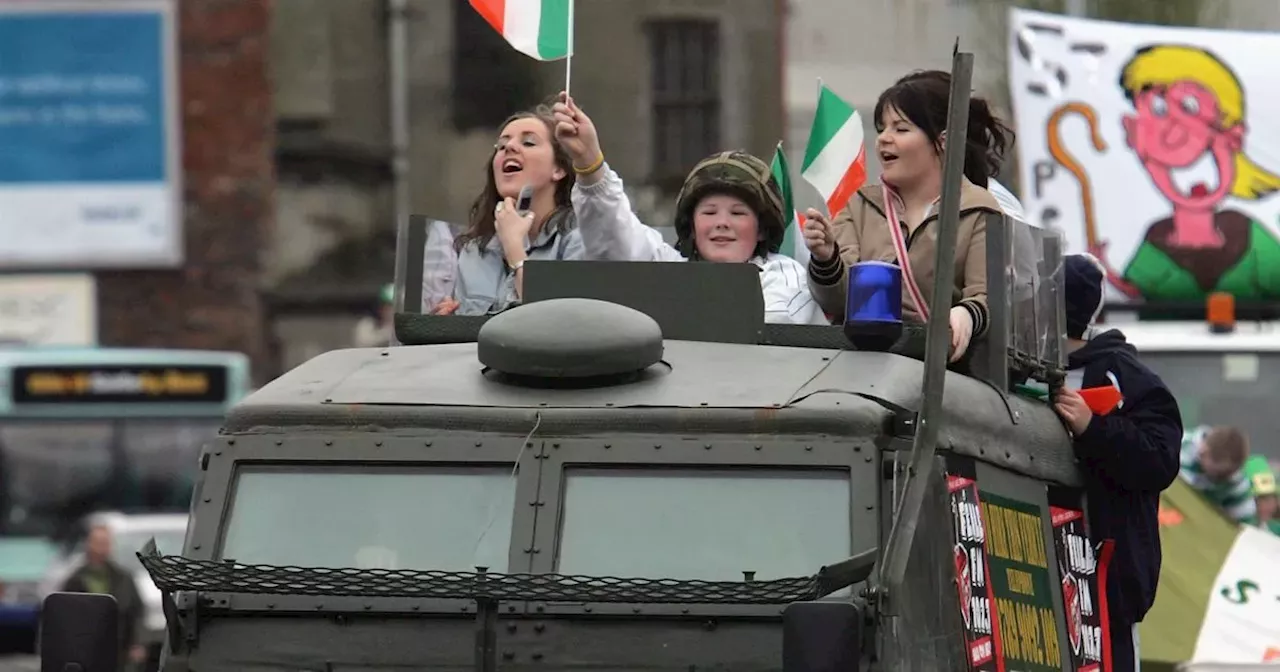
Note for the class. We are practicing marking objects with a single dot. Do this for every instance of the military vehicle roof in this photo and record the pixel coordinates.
(699, 388)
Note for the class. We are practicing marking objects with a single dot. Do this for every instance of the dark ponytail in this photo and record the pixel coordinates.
(922, 98)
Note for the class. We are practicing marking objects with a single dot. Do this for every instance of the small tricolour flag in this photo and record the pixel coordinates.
(835, 161)
(540, 29)
(793, 241)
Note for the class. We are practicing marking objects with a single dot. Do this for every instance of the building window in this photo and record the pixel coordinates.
(491, 80)
(685, 60)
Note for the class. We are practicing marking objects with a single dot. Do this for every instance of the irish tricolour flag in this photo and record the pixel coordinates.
(835, 162)
(1218, 603)
(793, 242)
(538, 28)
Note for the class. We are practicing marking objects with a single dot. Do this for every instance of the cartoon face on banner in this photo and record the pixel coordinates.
(1156, 149)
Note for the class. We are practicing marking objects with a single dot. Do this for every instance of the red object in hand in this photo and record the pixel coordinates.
(1101, 400)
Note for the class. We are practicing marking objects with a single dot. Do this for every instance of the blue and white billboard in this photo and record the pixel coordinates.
(90, 150)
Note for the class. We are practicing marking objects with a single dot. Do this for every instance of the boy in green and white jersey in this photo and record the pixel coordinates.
(1213, 463)
(1263, 481)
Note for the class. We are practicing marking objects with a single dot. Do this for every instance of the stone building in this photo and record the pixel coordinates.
(667, 82)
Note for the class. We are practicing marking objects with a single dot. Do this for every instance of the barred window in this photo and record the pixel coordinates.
(685, 57)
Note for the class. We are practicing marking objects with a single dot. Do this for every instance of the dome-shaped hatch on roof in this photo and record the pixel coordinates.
(569, 338)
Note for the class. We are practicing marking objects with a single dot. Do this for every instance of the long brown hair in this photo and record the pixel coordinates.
(480, 224)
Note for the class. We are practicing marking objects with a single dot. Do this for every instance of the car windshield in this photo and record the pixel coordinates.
(126, 545)
(1219, 388)
(710, 525)
(442, 518)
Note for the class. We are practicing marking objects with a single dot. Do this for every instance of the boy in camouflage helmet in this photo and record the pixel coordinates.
(743, 176)
(729, 210)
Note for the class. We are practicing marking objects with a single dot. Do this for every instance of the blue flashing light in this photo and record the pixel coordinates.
(873, 308)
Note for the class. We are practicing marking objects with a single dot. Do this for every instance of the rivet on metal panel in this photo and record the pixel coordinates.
(537, 656)
(657, 446)
(511, 609)
(709, 625)
(871, 507)
(385, 353)
(542, 403)
(539, 627)
(607, 446)
(231, 442)
(528, 550)
(218, 453)
(857, 449)
(706, 446)
(759, 447)
(427, 443)
(368, 607)
(809, 448)
(195, 547)
(319, 607)
(608, 404)
(328, 401)
(703, 404)
(271, 605)
(869, 458)
(635, 610)
(685, 610)
(479, 443)
(540, 608)
(417, 607)
(555, 445)
(279, 442)
(511, 627)
(328, 443)
(377, 444)
(208, 499)
(465, 609)
(587, 609)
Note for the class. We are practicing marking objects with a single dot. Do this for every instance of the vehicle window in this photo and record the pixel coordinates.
(450, 519)
(690, 524)
(1215, 388)
(53, 471)
(163, 459)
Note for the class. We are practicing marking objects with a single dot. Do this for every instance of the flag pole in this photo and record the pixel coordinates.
(568, 61)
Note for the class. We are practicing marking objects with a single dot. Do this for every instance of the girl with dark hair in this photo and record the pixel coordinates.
(499, 239)
(729, 210)
(896, 220)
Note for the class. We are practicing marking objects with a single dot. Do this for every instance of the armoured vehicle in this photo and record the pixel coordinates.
(606, 478)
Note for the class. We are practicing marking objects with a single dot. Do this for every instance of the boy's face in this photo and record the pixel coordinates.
(1216, 468)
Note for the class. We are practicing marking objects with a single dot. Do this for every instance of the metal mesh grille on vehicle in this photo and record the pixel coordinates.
(174, 573)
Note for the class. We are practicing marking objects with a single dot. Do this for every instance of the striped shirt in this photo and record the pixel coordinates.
(1234, 495)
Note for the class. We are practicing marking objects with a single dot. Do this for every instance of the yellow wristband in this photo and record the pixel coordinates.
(595, 165)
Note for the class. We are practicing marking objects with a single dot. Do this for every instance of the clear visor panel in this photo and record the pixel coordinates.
(1035, 307)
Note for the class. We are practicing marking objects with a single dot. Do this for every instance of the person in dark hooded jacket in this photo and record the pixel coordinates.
(1128, 455)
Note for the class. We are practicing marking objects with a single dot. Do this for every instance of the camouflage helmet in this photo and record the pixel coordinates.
(738, 174)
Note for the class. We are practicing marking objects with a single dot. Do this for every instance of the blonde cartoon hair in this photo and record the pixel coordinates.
(1166, 64)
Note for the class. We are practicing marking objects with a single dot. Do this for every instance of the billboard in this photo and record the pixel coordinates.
(1155, 148)
(90, 153)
